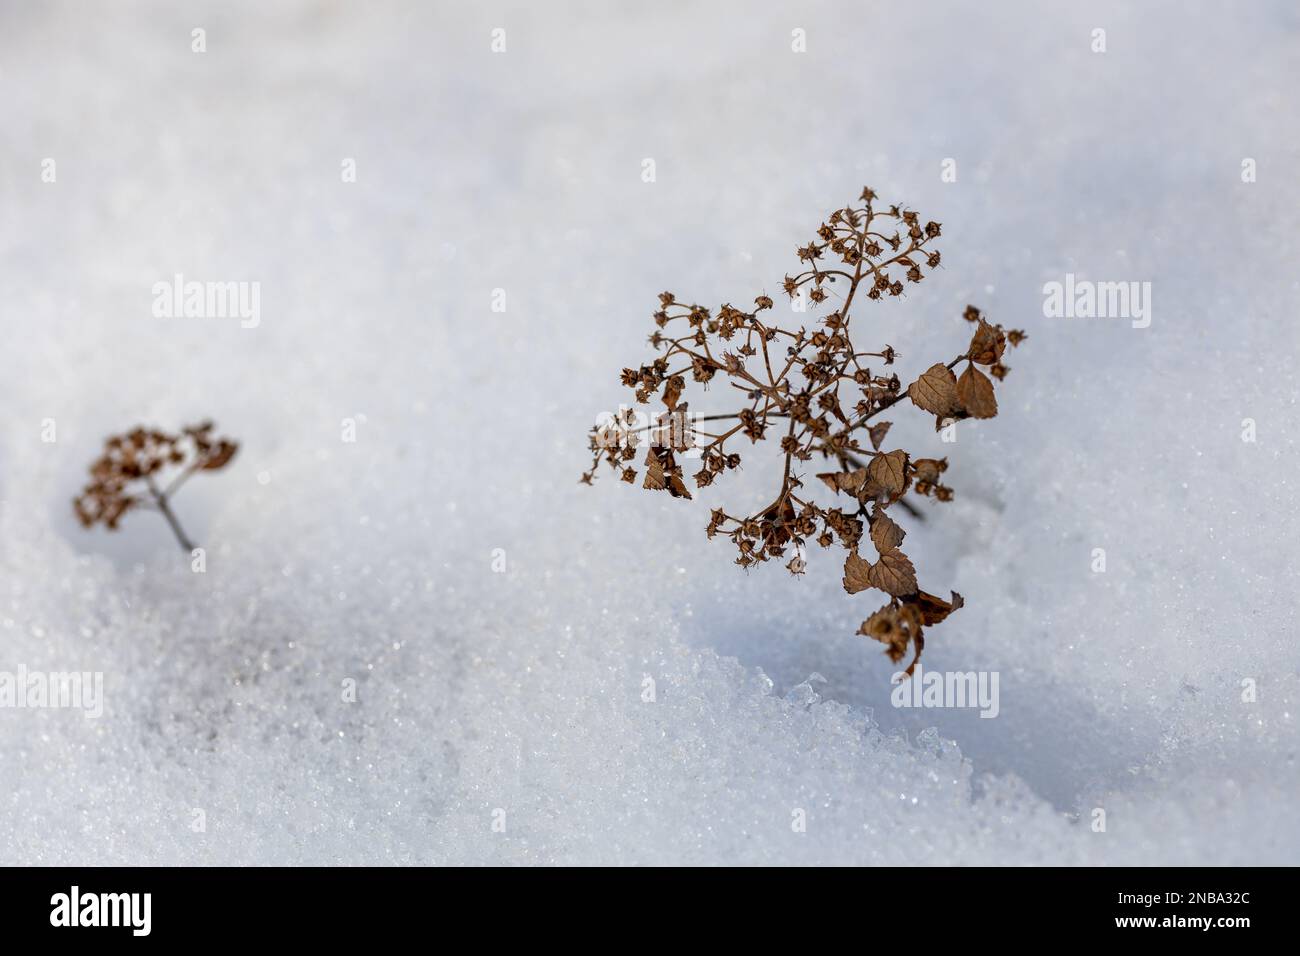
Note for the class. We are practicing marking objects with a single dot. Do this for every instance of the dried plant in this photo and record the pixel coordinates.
(133, 466)
(823, 398)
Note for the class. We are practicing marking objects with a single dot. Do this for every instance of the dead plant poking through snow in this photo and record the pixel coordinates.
(820, 397)
(128, 474)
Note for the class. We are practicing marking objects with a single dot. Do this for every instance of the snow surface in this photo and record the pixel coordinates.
(521, 691)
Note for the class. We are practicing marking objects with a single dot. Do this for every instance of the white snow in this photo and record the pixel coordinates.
(516, 698)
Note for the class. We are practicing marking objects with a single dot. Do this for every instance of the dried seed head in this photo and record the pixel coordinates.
(815, 390)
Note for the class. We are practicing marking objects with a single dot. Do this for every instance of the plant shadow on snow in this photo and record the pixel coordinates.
(1050, 736)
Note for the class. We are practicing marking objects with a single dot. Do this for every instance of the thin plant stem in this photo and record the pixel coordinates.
(160, 499)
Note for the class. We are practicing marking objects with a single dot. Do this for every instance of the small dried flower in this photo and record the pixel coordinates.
(130, 473)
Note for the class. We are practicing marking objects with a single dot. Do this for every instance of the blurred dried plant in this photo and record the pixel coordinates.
(821, 396)
(129, 473)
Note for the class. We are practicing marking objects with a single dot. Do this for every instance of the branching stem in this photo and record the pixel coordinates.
(160, 499)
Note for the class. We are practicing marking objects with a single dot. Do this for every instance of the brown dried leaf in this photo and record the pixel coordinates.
(851, 482)
(673, 391)
(886, 627)
(886, 535)
(857, 573)
(654, 473)
(935, 391)
(846, 481)
(662, 473)
(918, 645)
(893, 574)
(934, 609)
(888, 471)
(896, 627)
(877, 433)
(676, 487)
(975, 389)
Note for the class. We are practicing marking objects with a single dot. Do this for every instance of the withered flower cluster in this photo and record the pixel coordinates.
(129, 472)
(815, 393)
